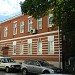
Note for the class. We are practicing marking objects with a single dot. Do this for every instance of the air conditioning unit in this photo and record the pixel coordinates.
(33, 31)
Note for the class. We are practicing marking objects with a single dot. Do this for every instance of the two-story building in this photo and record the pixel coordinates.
(23, 37)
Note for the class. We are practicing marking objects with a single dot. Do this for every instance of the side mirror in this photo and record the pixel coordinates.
(37, 64)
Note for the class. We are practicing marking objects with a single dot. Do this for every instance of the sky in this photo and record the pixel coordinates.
(9, 8)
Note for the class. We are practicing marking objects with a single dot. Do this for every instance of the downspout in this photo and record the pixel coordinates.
(59, 46)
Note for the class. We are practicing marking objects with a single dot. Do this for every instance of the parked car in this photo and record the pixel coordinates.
(8, 64)
(38, 67)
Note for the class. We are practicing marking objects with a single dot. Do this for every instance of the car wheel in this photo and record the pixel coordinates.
(7, 69)
(24, 72)
(46, 72)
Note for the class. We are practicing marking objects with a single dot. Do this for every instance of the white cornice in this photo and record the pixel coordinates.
(29, 36)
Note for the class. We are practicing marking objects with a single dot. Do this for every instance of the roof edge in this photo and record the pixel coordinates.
(11, 18)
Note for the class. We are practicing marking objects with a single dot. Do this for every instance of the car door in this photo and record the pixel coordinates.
(29, 66)
(37, 67)
(2, 65)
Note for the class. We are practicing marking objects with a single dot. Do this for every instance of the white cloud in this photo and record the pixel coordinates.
(10, 7)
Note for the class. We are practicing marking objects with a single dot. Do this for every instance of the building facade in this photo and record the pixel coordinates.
(23, 37)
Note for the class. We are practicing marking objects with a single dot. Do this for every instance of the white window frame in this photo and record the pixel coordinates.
(29, 46)
(39, 26)
(14, 47)
(50, 24)
(5, 31)
(22, 27)
(29, 24)
(39, 47)
(21, 48)
(50, 44)
(15, 29)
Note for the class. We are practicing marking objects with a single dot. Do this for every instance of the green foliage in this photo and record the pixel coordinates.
(64, 14)
(64, 11)
(36, 8)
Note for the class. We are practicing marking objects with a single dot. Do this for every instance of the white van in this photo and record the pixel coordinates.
(8, 64)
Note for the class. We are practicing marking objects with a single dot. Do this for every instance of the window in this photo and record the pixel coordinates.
(15, 29)
(51, 47)
(39, 49)
(22, 27)
(39, 23)
(50, 20)
(50, 44)
(21, 48)
(29, 46)
(36, 63)
(5, 31)
(14, 47)
(29, 25)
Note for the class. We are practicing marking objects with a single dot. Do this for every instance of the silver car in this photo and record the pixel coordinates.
(39, 67)
(8, 64)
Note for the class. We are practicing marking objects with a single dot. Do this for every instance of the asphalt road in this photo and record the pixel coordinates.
(12, 73)
(16, 73)
(4, 73)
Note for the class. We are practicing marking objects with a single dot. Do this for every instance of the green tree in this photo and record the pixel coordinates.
(64, 11)
(35, 8)
(64, 14)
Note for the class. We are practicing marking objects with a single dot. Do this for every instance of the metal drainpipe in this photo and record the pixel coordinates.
(59, 46)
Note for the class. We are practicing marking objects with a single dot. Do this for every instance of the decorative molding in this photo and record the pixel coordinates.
(29, 36)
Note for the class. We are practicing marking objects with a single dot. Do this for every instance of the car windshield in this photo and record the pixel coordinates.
(8, 60)
(44, 63)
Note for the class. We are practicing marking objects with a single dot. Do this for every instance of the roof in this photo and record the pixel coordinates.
(11, 18)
